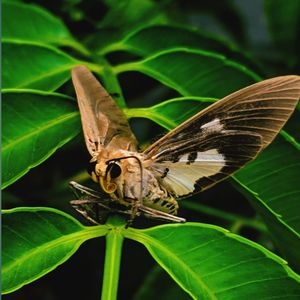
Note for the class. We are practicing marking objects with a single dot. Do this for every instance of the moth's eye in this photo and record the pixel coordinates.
(91, 167)
(114, 170)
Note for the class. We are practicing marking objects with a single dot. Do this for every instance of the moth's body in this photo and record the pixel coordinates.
(200, 152)
(136, 183)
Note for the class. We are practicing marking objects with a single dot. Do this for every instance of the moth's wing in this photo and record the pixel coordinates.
(204, 159)
(102, 121)
(223, 137)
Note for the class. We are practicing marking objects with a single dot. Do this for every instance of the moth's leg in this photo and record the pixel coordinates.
(134, 211)
(80, 190)
(89, 209)
(90, 202)
(96, 207)
(157, 214)
(96, 211)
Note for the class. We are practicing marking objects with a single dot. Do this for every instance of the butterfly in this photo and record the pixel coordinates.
(197, 154)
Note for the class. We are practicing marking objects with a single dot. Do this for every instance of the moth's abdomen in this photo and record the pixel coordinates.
(157, 196)
(168, 205)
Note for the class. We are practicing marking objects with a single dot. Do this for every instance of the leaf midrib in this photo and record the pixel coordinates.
(38, 131)
(24, 84)
(81, 235)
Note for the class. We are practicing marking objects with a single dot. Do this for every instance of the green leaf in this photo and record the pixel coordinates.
(283, 20)
(31, 23)
(212, 263)
(148, 40)
(104, 38)
(151, 39)
(193, 72)
(283, 180)
(36, 241)
(122, 17)
(36, 124)
(34, 66)
(274, 179)
(208, 263)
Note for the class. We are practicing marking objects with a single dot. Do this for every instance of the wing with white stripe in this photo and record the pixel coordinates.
(181, 176)
(211, 158)
(230, 132)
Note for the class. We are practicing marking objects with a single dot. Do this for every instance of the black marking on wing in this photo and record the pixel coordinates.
(192, 157)
(165, 173)
(193, 143)
(238, 149)
(235, 147)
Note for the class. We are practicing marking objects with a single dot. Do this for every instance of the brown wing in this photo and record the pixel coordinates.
(102, 121)
(221, 139)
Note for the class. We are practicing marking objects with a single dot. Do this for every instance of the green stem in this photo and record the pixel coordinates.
(125, 67)
(290, 139)
(113, 251)
(117, 46)
(236, 226)
(78, 47)
(242, 221)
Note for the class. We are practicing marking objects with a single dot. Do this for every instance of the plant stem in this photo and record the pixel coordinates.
(113, 251)
(225, 215)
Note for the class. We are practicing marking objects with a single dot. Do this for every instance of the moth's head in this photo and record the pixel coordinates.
(111, 173)
(106, 173)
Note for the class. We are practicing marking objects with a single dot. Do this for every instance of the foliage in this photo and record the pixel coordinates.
(161, 71)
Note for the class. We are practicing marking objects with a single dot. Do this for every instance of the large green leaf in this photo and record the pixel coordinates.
(36, 124)
(274, 179)
(212, 263)
(193, 72)
(279, 165)
(150, 39)
(36, 241)
(34, 66)
(123, 17)
(208, 263)
(31, 23)
(272, 188)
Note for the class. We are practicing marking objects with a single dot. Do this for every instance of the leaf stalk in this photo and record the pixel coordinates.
(113, 252)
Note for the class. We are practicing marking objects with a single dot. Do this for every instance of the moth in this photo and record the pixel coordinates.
(202, 151)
